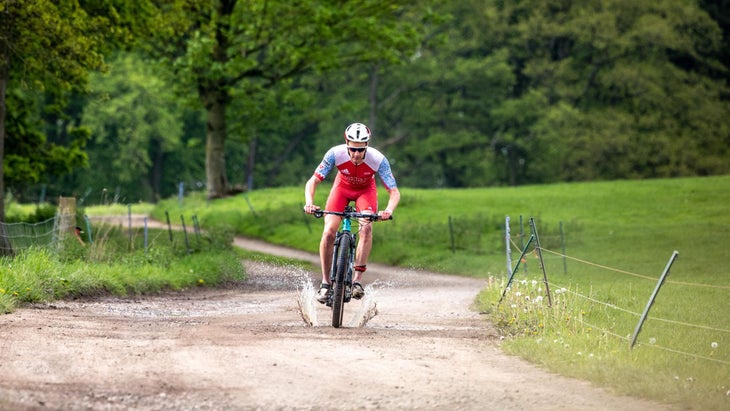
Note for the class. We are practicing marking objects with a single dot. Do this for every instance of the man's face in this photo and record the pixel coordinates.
(357, 151)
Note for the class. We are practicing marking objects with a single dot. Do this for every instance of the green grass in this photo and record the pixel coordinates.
(634, 225)
(116, 209)
(116, 263)
(619, 236)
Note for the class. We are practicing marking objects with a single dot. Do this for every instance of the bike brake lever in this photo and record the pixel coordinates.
(318, 213)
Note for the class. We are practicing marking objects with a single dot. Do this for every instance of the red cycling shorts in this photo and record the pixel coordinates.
(365, 198)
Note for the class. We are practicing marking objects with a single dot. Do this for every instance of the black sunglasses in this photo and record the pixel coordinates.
(357, 149)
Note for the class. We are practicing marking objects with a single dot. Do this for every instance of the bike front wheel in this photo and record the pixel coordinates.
(342, 259)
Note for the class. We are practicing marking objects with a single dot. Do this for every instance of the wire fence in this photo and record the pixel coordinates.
(21, 236)
(697, 331)
(52, 232)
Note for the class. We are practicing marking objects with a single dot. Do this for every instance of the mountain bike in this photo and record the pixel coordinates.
(343, 260)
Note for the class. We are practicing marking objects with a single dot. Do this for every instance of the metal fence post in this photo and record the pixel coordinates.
(653, 297)
(511, 276)
(451, 232)
(507, 246)
(538, 247)
(562, 244)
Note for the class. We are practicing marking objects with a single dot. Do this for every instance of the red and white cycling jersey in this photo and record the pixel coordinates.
(357, 177)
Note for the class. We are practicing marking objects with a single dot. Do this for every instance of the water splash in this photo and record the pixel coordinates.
(305, 302)
(365, 311)
(368, 308)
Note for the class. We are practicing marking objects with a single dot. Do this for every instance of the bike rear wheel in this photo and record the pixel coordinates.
(342, 259)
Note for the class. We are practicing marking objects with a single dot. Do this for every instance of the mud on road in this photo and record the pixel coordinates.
(247, 347)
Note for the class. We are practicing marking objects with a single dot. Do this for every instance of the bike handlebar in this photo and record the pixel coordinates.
(350, 214)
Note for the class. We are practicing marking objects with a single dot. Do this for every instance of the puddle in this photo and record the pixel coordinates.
(363, 312)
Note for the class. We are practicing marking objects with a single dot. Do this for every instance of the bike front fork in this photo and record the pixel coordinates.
(350, 265)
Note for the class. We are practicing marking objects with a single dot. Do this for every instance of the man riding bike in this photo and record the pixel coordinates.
(356, 165)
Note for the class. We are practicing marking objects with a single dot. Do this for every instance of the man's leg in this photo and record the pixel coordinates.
(327, 245)
(336, 201)
(364, 244)
(367, 202)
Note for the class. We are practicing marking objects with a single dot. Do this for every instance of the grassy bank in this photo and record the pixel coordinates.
(617, 236)
(115, 263)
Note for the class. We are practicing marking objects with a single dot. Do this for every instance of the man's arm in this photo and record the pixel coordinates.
(393, 200)
(386, 176)
(309, 189)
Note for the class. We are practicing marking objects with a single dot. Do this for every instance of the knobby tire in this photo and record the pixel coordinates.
(338, 296)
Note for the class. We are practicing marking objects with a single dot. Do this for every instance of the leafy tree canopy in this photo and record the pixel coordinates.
(223, 46)
(46, 50)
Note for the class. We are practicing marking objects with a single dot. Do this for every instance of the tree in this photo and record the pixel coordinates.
(44, 45)
(136, 122)
(250, 47)
(30, 157)
(620, 90)
(559, 91)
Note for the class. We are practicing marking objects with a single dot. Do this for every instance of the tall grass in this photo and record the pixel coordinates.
(619, 235)
(585, 339)
(115, 264)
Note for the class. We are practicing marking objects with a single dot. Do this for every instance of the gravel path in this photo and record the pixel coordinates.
(251, 347)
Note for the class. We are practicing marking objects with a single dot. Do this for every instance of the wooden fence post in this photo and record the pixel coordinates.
(66, 216)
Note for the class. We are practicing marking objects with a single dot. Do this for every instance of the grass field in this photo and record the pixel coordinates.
(618, 237)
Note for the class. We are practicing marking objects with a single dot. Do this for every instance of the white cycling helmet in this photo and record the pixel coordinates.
(357, 133)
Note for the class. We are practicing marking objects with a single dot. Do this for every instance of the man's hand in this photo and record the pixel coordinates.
(385, 214)
(310, 208)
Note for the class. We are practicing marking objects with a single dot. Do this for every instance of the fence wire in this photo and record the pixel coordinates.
(636, 314)
(22, 236)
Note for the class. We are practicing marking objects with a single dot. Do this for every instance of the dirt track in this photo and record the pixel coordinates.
(247, 347)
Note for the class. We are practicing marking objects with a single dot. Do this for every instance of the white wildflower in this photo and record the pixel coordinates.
(713, 345)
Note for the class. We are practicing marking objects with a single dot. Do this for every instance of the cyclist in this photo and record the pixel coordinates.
(356, 164)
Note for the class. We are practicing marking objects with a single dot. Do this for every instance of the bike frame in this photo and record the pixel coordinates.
(345, 230)
(343, 254)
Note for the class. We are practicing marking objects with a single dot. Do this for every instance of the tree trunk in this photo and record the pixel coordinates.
(4, 77)
(158, 157)
(6, 248)
(215, 160)
(373, 97)
(251, 164)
